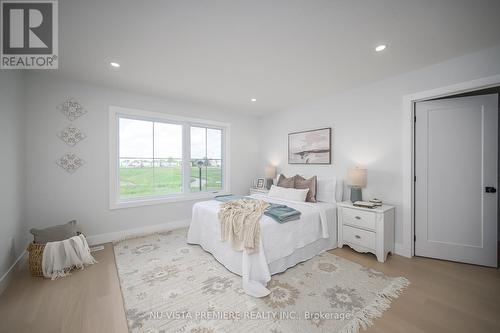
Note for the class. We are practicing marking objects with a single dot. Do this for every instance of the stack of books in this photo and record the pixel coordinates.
(363, 204)
(368, 204)
(377, 202)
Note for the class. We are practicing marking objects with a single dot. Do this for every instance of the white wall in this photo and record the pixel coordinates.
(13, 235)
(54, 197)
(367, 125)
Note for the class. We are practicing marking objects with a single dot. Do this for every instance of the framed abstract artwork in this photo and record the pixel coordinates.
(310, 147)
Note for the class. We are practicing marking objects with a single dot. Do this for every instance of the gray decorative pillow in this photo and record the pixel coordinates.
(286, 182)
(56, 233)
(311, 184)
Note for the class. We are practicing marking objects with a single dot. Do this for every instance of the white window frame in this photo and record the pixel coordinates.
(115, 112)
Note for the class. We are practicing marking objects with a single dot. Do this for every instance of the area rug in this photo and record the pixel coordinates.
(170, 286)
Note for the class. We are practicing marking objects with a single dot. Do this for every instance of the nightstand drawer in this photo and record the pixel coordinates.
(359, 218)
(359, 237)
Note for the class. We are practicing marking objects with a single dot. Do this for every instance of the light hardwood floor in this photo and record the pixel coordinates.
(443, 297)
(86, 301)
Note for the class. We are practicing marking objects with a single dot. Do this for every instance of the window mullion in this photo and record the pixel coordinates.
(223, 159)
(154, 169)
(206, 160)
(186, 153)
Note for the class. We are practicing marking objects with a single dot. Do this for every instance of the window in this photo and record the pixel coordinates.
(156, 158)
(206, 159)
(150, 158)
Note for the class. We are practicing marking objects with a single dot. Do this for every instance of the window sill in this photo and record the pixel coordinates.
(163, 200)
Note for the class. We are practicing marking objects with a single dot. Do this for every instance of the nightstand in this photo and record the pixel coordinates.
(258, 190)
(365, 229)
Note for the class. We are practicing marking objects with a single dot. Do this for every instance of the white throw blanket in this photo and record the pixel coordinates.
(60, 257)
(240, 223)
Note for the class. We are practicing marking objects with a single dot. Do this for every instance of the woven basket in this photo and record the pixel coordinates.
(35, 258)
(35, 251)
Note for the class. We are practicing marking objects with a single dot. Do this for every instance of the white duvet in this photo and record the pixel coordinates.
(281, 246)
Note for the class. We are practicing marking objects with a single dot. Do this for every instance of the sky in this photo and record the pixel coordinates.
(136, 140)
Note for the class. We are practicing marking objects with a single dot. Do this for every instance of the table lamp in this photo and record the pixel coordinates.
(356, 178)
(270, 174)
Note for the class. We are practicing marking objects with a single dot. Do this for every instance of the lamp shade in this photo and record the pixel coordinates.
(270, 172)
(356, 177)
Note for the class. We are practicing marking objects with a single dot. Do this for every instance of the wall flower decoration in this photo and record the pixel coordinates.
(71, 135)
(70, 162)
(71, 109)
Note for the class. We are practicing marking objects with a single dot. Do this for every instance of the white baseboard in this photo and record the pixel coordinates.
(5, 279)
(119, 235)
(401, 250)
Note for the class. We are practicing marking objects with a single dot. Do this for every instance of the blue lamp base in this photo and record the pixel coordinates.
(356, 194)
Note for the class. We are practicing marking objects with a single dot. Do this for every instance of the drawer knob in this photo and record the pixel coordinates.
(357, 236)
(357, 218)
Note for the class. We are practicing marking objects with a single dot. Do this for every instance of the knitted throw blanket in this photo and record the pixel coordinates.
(60, 257)
(240, 223)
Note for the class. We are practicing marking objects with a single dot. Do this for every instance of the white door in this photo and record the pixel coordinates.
(456, 155)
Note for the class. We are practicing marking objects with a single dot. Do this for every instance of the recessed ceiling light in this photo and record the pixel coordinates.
(254, 100)
(115, 64)
(380, 47)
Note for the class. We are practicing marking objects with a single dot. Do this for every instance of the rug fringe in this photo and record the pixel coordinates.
(364, 318)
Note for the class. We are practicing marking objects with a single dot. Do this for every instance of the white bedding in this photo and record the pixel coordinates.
(281, 246)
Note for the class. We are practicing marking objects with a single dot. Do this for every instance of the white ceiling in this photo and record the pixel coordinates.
(223, 53)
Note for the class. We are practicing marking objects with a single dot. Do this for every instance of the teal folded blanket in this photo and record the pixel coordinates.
(282, 213)
(279, 213)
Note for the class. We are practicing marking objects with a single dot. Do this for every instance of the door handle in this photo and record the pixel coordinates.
(490, 189)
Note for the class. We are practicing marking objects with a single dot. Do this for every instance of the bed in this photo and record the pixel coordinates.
(281, 246)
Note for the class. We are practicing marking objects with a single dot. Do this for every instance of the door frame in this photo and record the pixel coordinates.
(408, 151)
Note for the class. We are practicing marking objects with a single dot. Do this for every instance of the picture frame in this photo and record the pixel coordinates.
(310, 147)
(261, 183)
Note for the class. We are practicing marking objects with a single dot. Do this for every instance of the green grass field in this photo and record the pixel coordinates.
(143, 182)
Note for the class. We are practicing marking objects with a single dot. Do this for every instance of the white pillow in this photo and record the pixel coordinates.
(292, 194)
(325, 190)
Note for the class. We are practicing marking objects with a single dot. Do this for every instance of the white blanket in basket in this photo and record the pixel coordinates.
(59, 257)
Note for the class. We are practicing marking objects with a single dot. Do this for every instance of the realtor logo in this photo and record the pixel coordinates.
(29, 34)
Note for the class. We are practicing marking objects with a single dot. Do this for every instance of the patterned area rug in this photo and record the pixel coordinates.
(170, 286)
